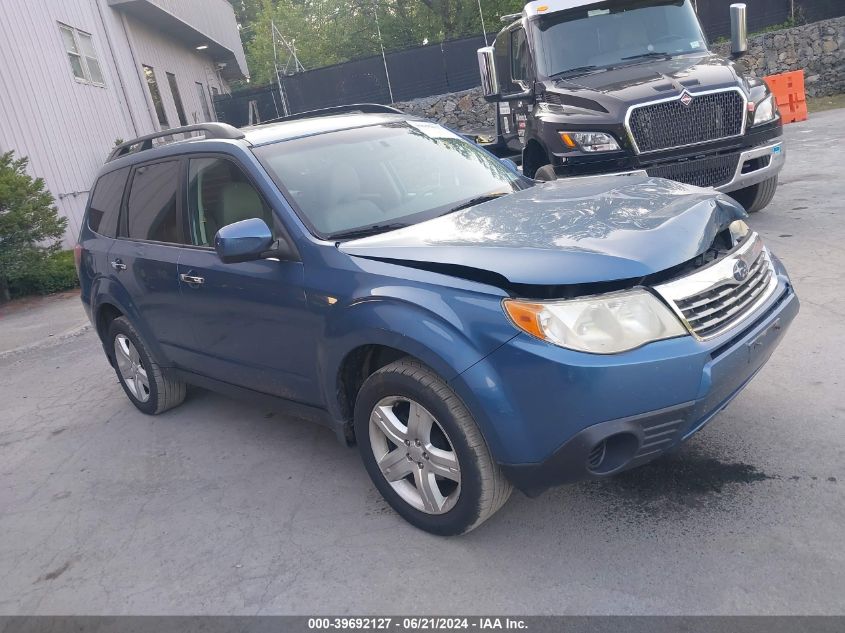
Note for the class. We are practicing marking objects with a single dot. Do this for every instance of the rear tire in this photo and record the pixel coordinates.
(756, 197)
(151, 388)
(546, 173)
(447, 482)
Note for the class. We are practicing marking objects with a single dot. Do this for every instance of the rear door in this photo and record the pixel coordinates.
(143, 260)
(250, 321)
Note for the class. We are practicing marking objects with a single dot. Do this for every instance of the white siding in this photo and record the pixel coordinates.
(67, 128)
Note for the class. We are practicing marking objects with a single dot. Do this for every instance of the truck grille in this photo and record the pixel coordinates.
(715, 298)
(703, 172)
(671, 124)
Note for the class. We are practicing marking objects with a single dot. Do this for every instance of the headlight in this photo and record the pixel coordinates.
(589, 141)
(601, 324)
(766, 110)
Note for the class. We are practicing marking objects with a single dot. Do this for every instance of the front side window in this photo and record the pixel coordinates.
(219, 193)
(151, 209)
(177, 98)
(106, 197)
(155, 94)
(79, 46)
(388, 174)
(613, 33)
(520, 57)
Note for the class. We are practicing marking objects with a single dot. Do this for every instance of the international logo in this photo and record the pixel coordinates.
(686, 98)
(740, 270)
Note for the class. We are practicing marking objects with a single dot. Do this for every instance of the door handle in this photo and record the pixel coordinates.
(118, 265)
(191, 279)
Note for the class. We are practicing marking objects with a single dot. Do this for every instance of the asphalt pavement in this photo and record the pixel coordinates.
(218, 507)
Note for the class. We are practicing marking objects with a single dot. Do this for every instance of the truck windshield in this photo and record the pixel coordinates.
(371, 179)
(607, 34)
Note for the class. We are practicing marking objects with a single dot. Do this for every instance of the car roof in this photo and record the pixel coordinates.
(286, 130)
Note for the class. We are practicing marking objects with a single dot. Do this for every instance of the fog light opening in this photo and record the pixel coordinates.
(612, 453)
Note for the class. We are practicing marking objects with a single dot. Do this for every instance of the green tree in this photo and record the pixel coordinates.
(30, 228)
(326, 32)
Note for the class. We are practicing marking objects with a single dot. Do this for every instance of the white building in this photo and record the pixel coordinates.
(77, 75)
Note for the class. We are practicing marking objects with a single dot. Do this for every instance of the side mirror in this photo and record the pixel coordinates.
(739, 30)
(243, 241)
(487, 66)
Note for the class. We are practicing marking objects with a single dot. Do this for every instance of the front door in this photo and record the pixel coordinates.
(250, 320)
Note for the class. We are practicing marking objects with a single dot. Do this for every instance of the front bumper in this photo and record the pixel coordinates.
(553, 416)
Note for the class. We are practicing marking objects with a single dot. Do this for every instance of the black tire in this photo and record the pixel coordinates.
(756, 197)
(165, 392)
(483, 488)
(545, 173)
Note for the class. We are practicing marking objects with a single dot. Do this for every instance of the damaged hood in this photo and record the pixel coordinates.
(575, 231)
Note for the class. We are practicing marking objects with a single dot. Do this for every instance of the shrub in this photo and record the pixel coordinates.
(53, 273)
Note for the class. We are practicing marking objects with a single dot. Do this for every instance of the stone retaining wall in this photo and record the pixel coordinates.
(818, 48)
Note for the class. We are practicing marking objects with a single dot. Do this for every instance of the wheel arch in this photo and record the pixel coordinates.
(534, 156)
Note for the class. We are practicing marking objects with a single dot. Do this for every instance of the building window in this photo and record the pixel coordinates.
(155, 93)
(177, 98)
(206, 113)
(79, 46)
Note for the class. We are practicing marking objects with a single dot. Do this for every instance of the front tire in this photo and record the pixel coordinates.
(756, 197)
(151, 388)
(546, 173)
(424, 452)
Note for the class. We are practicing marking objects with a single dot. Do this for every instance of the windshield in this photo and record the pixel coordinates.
(383, 176)
(612, 33)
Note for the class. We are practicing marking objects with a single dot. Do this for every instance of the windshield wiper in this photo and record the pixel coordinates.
(477, 200)
(366, 231)
(578, 70)
(649, 55)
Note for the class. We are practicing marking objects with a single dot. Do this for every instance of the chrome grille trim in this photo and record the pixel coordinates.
(711, 301)
(632, 109)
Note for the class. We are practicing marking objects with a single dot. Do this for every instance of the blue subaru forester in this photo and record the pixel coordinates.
(470, 329)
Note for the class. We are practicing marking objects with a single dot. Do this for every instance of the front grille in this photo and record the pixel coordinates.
(670, 124)
(711, 171)
(712, 311)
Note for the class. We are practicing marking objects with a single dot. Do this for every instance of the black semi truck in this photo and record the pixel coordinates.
(585, 87)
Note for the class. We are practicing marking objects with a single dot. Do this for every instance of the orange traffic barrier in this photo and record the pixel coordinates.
(788, 89)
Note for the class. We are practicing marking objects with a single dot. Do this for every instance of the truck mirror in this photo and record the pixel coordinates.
(487, 66)
(739, 29)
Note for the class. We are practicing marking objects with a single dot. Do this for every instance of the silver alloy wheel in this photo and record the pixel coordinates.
(419, 471)
(131, 368)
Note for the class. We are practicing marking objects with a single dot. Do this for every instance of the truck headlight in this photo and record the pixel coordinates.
(766, 110)
(589, 141)
(601, 324)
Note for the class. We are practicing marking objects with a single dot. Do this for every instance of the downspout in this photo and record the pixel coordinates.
(144, 88)
(116, 66)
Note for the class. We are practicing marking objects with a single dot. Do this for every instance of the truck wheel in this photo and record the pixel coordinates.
(150, 388)
(756, 197)
(545, 173)
(424, 452)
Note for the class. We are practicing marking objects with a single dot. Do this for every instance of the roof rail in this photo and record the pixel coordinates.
(212, 130)
(366, 108)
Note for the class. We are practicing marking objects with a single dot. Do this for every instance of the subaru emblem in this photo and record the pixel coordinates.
(686, 98)
(740, 270)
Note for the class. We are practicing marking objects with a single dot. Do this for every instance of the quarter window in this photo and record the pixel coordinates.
(104, 209)
(155, 94)
(79, 47)
(219, 193)
(152, 209)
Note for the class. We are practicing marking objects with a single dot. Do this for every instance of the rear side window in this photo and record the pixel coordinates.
(151, 210)
(104, 210)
